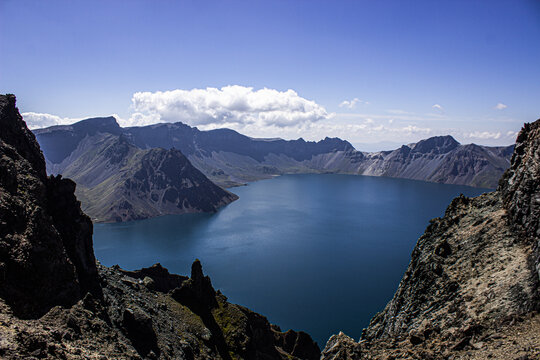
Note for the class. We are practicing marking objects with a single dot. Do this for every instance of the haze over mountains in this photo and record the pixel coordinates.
(139, 172)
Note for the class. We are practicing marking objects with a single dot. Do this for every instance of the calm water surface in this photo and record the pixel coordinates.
(319, 253)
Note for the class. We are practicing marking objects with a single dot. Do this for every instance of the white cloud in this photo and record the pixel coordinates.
(500, 106)
(437, 107)
(285, 114)
(413, 129)
(233, 106)
(484, 135)
(40, 120)
(352, 103)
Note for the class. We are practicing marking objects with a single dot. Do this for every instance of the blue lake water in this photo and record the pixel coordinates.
(319, 253)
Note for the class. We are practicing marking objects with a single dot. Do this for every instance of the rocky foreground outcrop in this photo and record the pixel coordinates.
(46, 254)
(56, 302)
(471, 290)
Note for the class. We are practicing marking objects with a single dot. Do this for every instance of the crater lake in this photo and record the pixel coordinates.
(318, 253)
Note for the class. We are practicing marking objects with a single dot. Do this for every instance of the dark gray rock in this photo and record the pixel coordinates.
(46, 255)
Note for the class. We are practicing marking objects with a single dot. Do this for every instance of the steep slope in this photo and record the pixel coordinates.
(57, 303)
(472, 275)
(229, 158)
(442, 159)
(58, 142)
(119, 182)
(191, 140)
(44, 259)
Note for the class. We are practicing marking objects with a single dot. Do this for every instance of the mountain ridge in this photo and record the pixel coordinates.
(229, 158)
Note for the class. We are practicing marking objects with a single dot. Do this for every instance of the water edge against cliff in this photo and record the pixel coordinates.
(321, 253)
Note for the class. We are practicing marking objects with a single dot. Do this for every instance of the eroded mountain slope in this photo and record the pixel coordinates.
(120, 182)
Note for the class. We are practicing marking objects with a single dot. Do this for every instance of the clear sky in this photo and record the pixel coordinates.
(280, 68)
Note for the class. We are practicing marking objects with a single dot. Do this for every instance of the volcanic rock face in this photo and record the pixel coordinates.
(57, 303)
(520, 185)
(46, 255)
(468, 269)
(117, 181)
(472, 275)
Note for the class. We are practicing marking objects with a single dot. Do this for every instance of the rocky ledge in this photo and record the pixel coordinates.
(57, 302)
(150, 314)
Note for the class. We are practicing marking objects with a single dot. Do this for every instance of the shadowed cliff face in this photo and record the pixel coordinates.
(57, 303)
(44, 259)
(472, 275)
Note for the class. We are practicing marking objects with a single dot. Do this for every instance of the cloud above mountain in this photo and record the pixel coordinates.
(272, 113)
(36, 120)
(227, 106)
(484, 135)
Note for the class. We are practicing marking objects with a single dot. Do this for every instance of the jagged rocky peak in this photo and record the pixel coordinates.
(46, 255)
(520, 184)
(436, 145)
(15, 133)
(337, 144)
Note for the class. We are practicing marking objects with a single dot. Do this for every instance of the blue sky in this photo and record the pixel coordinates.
(418, 68)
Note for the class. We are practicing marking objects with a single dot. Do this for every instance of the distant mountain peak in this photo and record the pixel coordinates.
(436, 145)
(100, 120)
(98, 124)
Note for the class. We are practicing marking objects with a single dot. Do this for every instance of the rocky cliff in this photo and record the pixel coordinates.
(46, 255)
(471, 288)
(441, 159)
(56, 302)
(117, 181)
